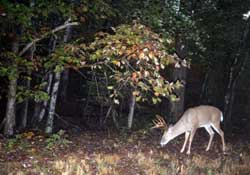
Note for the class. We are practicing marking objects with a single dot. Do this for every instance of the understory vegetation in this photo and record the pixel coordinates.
(106, 153)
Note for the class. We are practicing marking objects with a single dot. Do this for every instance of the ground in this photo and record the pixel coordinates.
(112, 153)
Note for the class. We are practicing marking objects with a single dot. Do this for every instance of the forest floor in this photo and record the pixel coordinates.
(110, 153)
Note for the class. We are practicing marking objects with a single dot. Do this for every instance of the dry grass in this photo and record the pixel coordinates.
(110, 164)
(131, 159)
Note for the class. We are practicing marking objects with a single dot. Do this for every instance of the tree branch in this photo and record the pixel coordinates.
(29, 45)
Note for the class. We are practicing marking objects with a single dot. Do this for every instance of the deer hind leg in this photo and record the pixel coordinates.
(190, 140)
(185, 142)
(221, 133)
(211, 136)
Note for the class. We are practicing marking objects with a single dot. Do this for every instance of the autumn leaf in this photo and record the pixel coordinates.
(117, 63)
(134, 76)
(151, 55)
(141, 55)
(136, 93)
(121, 52)
(28, 135)
(156, 94)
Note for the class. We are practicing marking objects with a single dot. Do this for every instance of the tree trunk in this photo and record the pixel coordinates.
(45, 103)
(25, 108)
(230, 95)
(48, 90)
(131, 111)
(235, 71)
(36, 112)
(52, 106)
(177, 107)
(65, 81)
(203, 93)
(54, 93)
(24, 117)
(10, 117)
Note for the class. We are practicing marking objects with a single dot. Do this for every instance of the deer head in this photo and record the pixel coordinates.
(160, 123)
(167, 135)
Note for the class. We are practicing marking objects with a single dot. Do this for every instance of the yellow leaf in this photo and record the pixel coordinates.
(156, 94)
(117, 63)
(135, 93)
(33, 150)
(151, 55)
(28, 135)
(141, 55)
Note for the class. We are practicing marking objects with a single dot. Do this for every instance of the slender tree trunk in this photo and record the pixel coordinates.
(41, 108)
(131, 111)
(65, 81)
(24, 115)
(203, 93)
(10, 117)
(45, 103)
(54, 93)
(36, 112)
(25, 109)
(52, 106)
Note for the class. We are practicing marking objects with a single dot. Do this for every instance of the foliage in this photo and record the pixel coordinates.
(36, 95)
(133, 59)
(95, 12)
(17, 143)
(129, 58)
(26, 21)
(57, 139)
(164, 17)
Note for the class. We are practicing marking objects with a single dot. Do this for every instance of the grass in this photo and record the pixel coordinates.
(114, 155)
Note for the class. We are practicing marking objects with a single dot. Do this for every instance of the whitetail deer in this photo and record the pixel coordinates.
(193, 118)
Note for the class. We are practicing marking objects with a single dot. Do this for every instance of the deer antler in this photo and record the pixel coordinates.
(159, 122)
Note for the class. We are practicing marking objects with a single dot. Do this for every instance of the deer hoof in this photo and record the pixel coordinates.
(181, 150)
(188, 152)
(207, 149)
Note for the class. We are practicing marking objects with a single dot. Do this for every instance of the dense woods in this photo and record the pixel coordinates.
(110, 66)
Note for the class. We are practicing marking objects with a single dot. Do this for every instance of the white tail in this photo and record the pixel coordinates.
(208, 117)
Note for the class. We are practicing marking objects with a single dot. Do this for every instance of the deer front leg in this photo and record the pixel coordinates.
(185, 142)
(191, 139)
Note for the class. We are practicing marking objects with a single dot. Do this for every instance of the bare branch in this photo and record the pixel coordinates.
(29, 45)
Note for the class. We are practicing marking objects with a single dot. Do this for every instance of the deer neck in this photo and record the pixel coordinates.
(179, 128)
